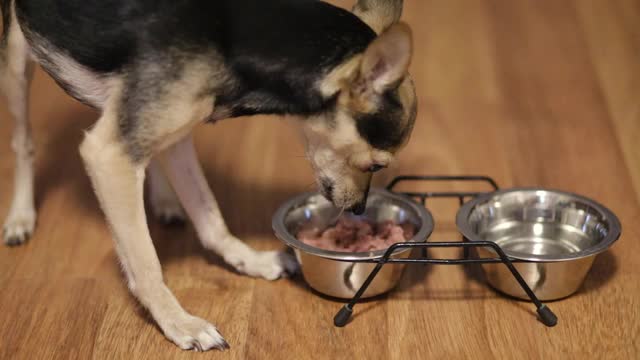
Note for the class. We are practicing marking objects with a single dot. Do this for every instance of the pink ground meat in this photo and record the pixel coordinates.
(355, 235)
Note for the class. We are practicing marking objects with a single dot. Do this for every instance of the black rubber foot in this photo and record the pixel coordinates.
(342, 317)
(547, 316)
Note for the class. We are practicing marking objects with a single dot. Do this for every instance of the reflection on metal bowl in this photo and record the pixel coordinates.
(558, 234)
(340, 274)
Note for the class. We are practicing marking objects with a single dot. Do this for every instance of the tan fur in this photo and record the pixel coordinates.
(351, 78)
(132, 130)
(339, 153)
(162, 198)
(340, 77)
(15, 76)
(172, 115)
(118, 183)
(187, 178)
(334, 146)
(379, 14)
(387, 59)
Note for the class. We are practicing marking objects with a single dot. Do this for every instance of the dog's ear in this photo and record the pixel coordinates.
(381, 67)
(386, 61)
(379, 14)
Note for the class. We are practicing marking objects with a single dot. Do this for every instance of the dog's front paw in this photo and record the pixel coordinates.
(19, 227)
(192, 333)
(270, 265)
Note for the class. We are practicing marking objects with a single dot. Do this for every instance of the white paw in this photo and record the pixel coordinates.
(270, 265)
(19, 226)
(168, 211)
(192, 333)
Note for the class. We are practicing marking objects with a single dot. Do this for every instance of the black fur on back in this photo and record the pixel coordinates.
(274, 50)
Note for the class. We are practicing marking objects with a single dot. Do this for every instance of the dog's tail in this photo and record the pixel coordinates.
(379, 14)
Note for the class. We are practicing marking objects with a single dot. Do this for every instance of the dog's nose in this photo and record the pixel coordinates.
(359, 208)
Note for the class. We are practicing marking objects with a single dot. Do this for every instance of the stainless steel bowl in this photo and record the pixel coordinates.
(557, 233)
(340, 274)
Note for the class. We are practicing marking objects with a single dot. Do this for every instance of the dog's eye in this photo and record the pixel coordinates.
(375, 168)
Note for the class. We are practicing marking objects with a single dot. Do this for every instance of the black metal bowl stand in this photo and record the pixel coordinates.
(545, 314)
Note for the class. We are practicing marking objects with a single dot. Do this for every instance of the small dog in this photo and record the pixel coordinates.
(156, 68)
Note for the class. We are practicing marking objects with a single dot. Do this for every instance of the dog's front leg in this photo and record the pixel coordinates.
(117, 172)
(184, 172)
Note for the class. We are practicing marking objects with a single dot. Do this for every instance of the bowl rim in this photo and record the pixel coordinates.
(615, 228)
(281, 232)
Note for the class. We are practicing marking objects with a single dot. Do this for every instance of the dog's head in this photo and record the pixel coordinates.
(373, 113)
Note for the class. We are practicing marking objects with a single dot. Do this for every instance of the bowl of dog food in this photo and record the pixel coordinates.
(552, 236)
(335, 248)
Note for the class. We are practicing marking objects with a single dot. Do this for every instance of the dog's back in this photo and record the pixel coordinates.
(251, 39)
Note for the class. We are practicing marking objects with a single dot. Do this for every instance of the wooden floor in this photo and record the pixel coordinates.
(537, 92)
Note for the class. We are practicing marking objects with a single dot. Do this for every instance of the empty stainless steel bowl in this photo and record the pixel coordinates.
(340, 274)
(557, 233)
